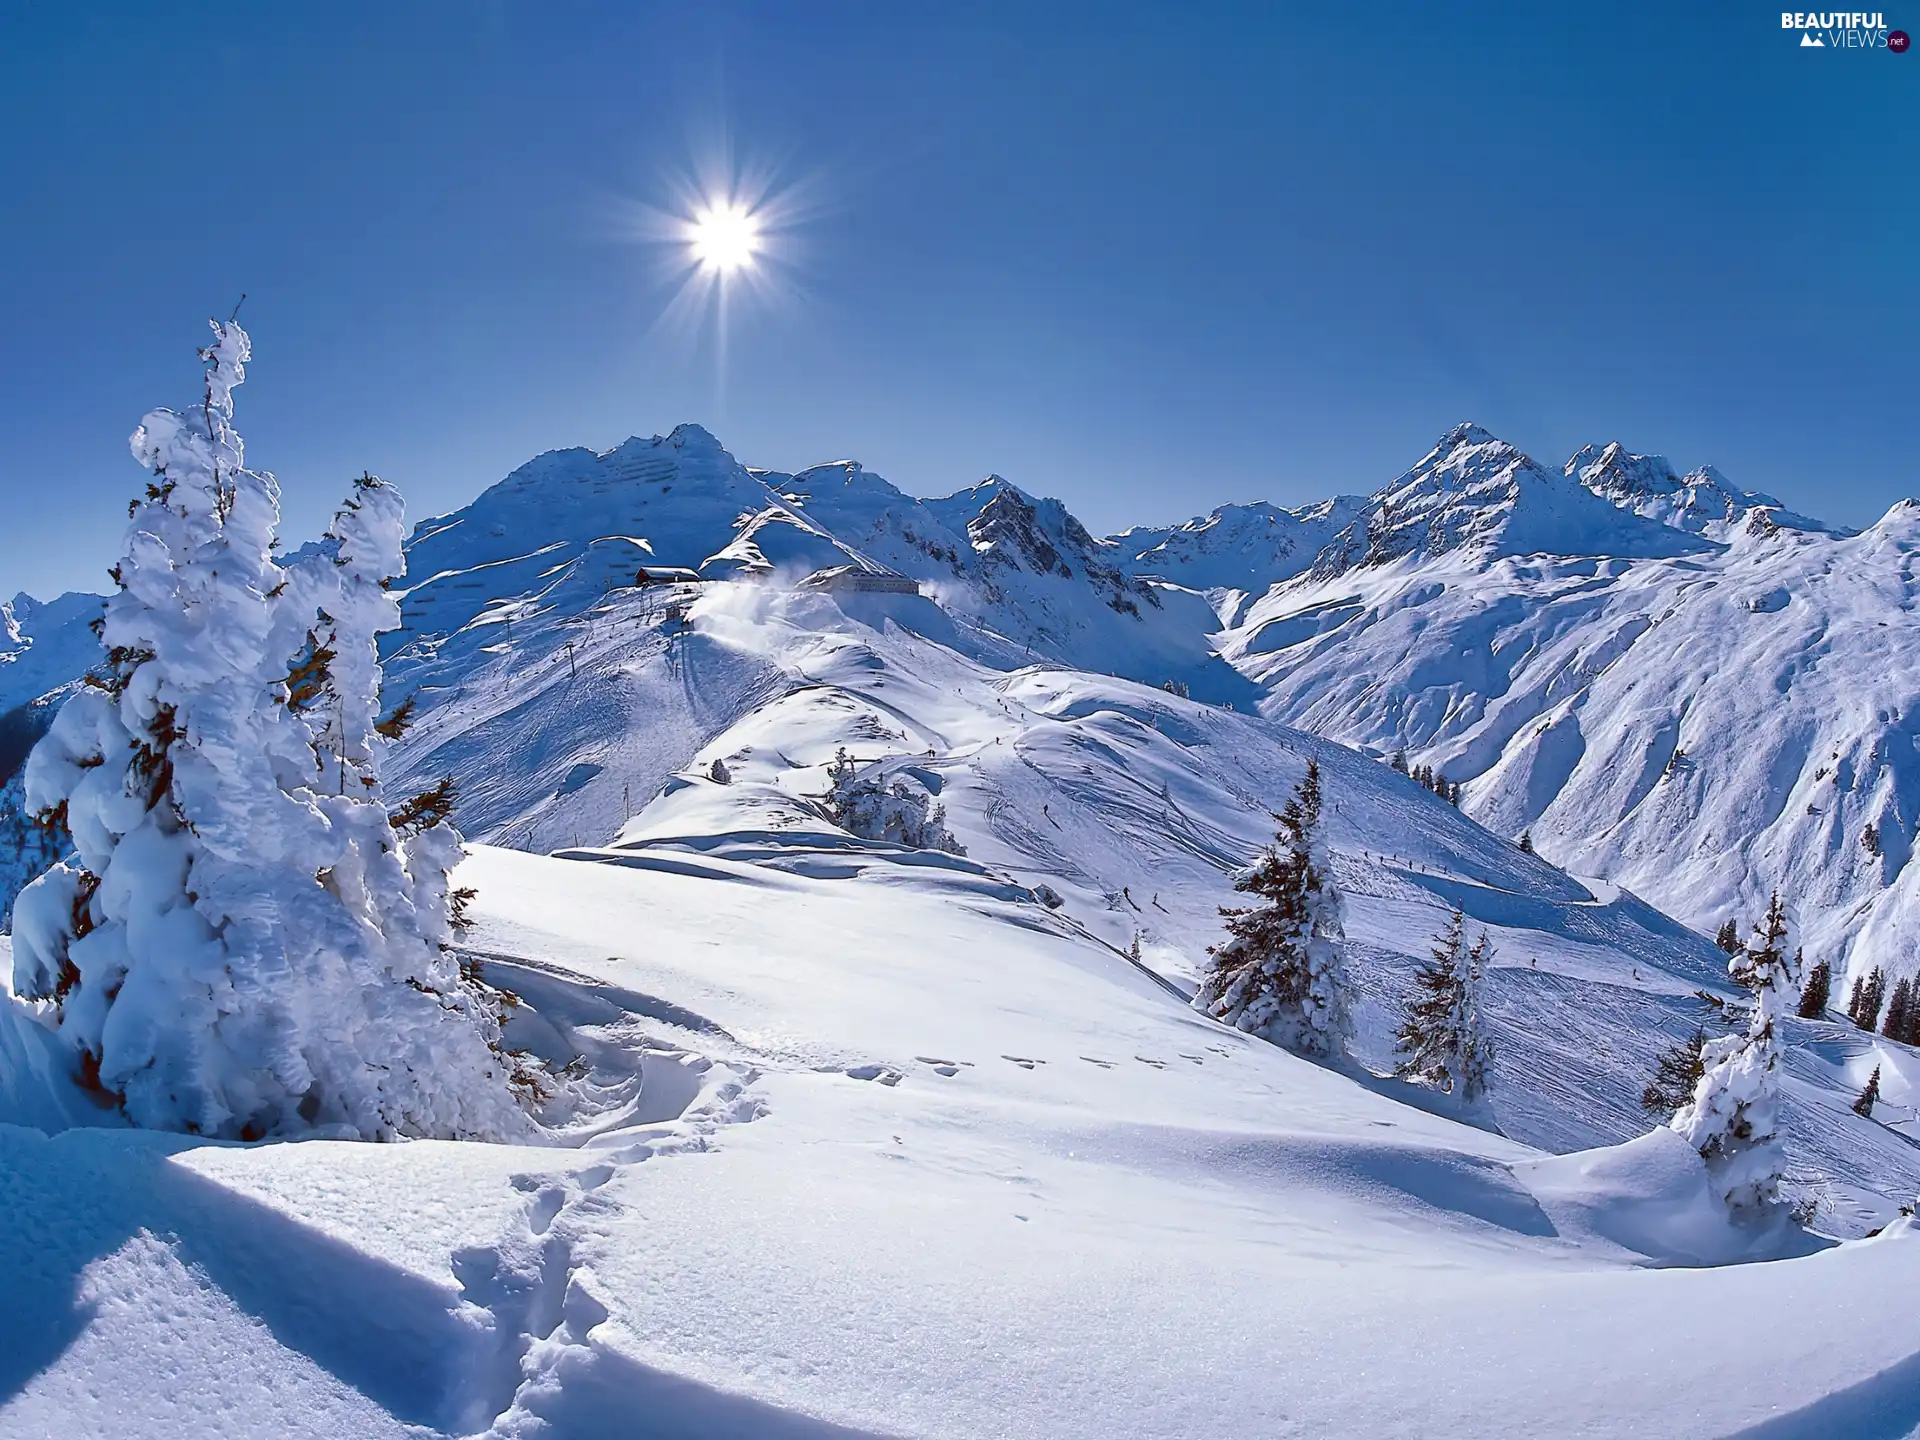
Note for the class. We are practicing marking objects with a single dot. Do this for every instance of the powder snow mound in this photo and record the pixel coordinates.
(1651, 1196)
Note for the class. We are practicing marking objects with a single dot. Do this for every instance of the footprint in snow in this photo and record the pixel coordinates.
(942, 1067)
(1157, 1064)
(1195, 1058)
(1022, 1061)
(885, 1074)
(1103, 1064)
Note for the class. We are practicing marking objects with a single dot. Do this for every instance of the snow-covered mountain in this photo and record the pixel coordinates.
(45, 645)
(1703, 501)
(1020, 577)
(1553, 638)
(1238, 549)
(1703, 720)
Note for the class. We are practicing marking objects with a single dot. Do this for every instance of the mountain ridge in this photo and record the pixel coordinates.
(1481, 611)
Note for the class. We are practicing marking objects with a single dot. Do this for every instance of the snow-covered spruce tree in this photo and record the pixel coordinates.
(400, 858)
(1281, 973)
(902, 813)
(1443, 1041)
(1729, 937)
(1733, 1117)
(1676, 1073)
(204, 955)
(1868, 1097)
(1818, 990)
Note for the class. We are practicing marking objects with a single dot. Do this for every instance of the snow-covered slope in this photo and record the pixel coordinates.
(1135, 806)
(867, 1143)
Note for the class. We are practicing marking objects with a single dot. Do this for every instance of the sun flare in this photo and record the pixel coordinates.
(724, 236)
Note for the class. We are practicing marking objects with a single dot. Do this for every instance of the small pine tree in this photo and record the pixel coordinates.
(1899, 1012)
(1870, 839)
(1676, 1073)
(1864, 1105)
(1281, 972)
(1855, 998)
(1442, 1039)
(1871, 996)
(1813, 999)
(1526, 842)
(1733, 1118)
(1729, 937)
(1398, 762)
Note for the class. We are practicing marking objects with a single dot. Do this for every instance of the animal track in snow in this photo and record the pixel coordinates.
(1022, 1061)
(1103, 1064)
(885, 1074)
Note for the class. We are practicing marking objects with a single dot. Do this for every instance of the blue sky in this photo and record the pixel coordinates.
(1146, 258)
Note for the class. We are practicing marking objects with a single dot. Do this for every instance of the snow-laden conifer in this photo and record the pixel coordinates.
(1733, 1119)
(210, 955)
(902, 812)
(1281, 972)
(1443, 1040)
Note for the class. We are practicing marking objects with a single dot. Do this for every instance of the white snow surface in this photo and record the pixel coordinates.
(884, 1149)
(859, 1140)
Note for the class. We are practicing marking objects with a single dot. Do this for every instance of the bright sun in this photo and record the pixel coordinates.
(725, 236)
